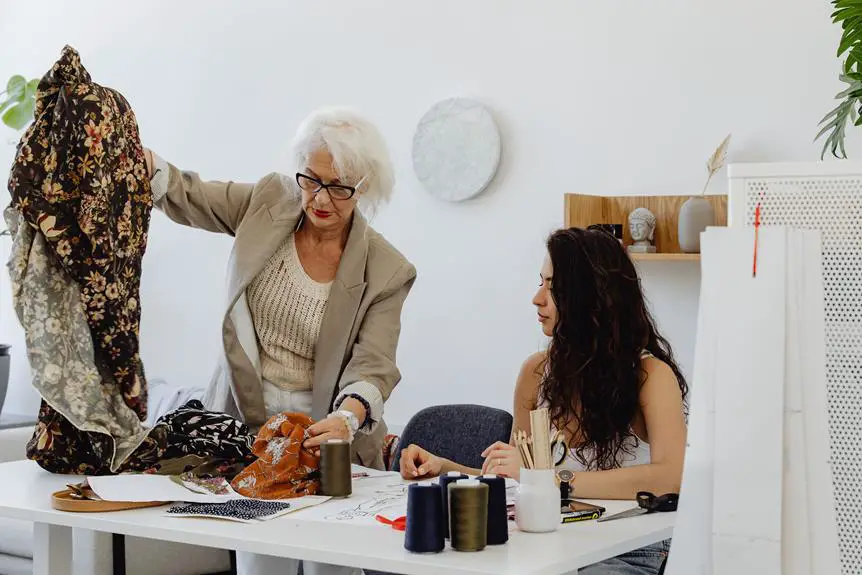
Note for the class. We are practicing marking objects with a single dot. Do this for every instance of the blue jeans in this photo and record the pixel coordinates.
(643, 561)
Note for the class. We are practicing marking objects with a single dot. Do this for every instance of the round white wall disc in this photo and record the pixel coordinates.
(456, 149)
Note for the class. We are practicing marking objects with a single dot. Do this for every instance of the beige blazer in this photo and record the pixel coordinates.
(362, 323)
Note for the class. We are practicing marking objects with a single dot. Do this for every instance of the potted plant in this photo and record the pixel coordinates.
(834, 124)
(17, 103)
(696, 214)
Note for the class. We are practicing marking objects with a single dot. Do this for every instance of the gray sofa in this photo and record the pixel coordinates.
(93, 552)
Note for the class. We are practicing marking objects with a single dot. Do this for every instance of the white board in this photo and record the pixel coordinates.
(827, 197)
(796, 552)
(822, 519)
(691, 548)
(755, 484)
(749, 400)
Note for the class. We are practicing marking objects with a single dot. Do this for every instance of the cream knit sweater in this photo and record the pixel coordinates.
(287, 308)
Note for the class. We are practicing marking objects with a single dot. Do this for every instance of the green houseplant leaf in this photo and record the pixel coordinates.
(19, 115)
(19, 102)
(833, 126)
(15, 87)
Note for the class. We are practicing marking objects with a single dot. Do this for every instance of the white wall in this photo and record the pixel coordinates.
(625, 97)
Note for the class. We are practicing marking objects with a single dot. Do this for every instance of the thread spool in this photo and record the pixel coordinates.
(424, 533)
(336, 479)
(498, 515)
(468, 515)
(444, 482)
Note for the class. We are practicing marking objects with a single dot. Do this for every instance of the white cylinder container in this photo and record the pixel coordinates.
(537, 503)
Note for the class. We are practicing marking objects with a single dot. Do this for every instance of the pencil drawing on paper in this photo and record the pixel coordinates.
(394, 495)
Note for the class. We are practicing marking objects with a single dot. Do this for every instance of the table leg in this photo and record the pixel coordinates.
(52, 549)
(118, 553)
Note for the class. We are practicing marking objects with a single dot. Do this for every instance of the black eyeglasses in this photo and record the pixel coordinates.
(336, 191)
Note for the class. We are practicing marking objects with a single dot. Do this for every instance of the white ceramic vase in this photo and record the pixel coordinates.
(537, 503)
(695, 215)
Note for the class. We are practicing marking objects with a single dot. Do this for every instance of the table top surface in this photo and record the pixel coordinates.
(10, 420)
(27, 490)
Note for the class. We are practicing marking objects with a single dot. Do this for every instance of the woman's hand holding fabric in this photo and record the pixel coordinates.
(333, 427)
(502, 459)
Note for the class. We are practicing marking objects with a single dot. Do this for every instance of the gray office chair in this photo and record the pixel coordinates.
(457, 432)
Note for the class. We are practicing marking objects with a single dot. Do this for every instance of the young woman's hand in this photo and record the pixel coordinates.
(502, 459)
(417, 463)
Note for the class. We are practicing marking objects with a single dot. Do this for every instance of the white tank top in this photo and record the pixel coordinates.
(636, 450)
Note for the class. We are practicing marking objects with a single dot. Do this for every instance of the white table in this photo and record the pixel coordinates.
(26, 491)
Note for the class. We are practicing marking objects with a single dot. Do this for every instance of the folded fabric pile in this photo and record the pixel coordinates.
(284, 469)
(81, 203)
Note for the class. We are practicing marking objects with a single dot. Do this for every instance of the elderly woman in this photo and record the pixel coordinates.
(315, 294)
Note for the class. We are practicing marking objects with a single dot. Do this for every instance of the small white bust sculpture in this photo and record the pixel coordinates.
(642, 228)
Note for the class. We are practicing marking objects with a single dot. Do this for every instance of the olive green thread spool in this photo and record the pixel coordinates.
(468, 515)
(445, 481)
(336, 479)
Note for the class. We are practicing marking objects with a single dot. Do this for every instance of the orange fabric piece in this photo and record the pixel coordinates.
(283, 469)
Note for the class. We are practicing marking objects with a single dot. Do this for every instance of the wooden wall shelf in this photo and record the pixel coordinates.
(584, 210)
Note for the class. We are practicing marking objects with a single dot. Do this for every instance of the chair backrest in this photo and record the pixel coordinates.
(459, 433)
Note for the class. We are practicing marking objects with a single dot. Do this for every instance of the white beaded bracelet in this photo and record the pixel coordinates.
(350, 422)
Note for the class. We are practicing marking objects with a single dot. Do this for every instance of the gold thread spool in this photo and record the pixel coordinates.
(336, 479)
(468, 515)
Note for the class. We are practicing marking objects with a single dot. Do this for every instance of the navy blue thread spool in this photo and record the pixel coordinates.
(498, 514)
(424, 531)
(444, 482)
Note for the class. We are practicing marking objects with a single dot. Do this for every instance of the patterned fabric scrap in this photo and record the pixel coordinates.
(390, 451)
(60, 351)
(244, 510)
(191, 430)
(81, 202)
(284, 469)
(79, 180)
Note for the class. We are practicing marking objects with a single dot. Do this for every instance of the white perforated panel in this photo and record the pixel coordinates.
(832, 204)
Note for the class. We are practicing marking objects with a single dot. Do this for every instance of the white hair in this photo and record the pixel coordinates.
(357, 149)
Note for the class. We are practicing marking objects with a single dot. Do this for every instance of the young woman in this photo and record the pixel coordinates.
(609, 381)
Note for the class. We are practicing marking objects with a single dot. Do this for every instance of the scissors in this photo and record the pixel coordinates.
(398, 524)
(647, 503)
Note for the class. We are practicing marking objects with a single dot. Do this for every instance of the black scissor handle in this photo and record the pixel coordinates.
(663, 503)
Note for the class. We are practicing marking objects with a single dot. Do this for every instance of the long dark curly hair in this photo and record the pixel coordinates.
(592, 376)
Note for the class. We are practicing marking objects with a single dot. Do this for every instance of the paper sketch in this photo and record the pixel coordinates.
(387, 498)
(141, 487)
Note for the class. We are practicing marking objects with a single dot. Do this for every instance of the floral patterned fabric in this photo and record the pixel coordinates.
(81, 203)
(79, 179)
(90, 426)
(188, 440)
(106, 430)
(283, 469)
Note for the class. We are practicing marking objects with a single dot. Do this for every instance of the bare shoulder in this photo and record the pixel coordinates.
(531, 374)
(660, 379)
(535, 363)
